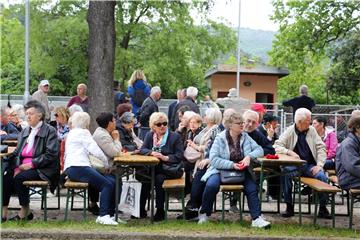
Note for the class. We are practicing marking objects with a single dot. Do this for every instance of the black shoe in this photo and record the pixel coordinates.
(3, 219)
(324, 213)
(159, 215)
(94, 209)
(306, 191)
(189, 215)
(143, 214)
(289, 211)
(18, 218)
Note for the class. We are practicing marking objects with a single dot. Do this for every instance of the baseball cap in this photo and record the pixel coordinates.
(44, 82)
(258, 107)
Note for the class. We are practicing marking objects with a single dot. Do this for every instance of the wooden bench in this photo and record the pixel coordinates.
(174, 185)
(43, 192)
(353, 193)
(225, 192)
(331, 172)
(76, 188)
(321, 187)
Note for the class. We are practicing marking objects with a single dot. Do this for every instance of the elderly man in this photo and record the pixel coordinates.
(8, 130)
(302, 101)
(41, 95)
(148, 107)
(190, 101)
(180, 94)
(80, 99)
(301, 140)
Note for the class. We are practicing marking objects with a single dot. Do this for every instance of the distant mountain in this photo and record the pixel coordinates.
(256, 42)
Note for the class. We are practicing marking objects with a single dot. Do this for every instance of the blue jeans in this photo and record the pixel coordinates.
(250, 190)
(329, 164)
(102, 183)
(197, 190)
(305, 170)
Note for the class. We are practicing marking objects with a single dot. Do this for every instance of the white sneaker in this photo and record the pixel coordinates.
(119, 220)
(260, 222)
(203, 218)
(106, 220)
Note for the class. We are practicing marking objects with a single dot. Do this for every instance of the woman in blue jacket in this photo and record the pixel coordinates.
(138, 90)
(231, 147)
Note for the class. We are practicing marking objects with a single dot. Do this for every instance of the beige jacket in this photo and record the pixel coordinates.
(288, 140)
(108, 145)
(43, 98)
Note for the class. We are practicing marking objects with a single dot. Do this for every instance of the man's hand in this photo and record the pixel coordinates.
(25, 166)
(115, 135)
(203, 163)
(315, 170)
(293, 154)
(270, 132)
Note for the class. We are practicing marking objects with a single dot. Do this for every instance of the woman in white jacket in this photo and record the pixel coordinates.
(79, 144)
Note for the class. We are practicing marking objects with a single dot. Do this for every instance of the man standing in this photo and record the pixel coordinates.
(41, 95)
(190, 101)
(303, 101)
(148, 107)
(180, 94)
(80, 99)
(301, 140)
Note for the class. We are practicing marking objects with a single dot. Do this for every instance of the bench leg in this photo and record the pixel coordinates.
(183, 202)
(333, 209)
(240, 209)
(316, 206)
(44, 197)
(166, 205)
(299, 192)
(351, 210)
(222, 207)
(85, 208)
(67, 204)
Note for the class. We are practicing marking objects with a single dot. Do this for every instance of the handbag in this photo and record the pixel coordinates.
(174, 170)
(97, 164)
(130, 197)
(228, 176)
(191, 154)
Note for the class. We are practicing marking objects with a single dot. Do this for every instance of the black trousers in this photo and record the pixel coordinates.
(21, 190)
(8, 186)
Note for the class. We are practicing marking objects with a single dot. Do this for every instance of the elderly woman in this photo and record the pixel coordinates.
(79, 144)
(183, 128)
(128, 139)
(232, 149)
(160, 142)
(328, 135)
(17, 117)
(36, 157)
(62, 116)
(348, 156)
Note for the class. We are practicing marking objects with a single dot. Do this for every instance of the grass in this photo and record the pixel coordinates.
(174, 227)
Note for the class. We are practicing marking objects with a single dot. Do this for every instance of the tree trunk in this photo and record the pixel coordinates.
(101, 58)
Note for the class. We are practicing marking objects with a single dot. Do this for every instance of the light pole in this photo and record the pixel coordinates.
(27, 43)
(238, 56)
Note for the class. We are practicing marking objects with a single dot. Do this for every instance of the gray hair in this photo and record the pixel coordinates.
(192, 92)
(80, 120)
(154, 90)
(189, 114)
(227, 113)
(251, 113)
(213, 115)
(19, 110)
(301, 114)
(38, 106)
(75, 108)
(303, 90)
(231, 119)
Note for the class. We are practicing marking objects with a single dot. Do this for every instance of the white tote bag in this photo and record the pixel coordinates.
(130, 197)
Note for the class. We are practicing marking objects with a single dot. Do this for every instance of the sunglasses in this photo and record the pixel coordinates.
(56, 115)
(161, 124)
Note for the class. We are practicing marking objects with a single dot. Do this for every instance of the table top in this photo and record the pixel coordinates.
(283, 160)
(10, 142)
(10, 151)
(135, 159)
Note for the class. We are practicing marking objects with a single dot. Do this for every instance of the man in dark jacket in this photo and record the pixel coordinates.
(8, 130)
(148, 107)
(303, 101)
(190, 101)
(180, 94)
(267, 128)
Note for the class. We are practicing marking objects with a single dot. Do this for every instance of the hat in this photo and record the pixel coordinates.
(258, 107)
(232, 93)
(44, 82)
(127, 117)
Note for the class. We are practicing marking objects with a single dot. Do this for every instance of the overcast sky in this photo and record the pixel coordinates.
(254, 13)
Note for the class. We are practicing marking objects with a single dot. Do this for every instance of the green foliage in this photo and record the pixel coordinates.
(308, 30)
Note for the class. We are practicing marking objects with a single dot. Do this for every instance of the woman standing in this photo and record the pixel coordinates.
(138, 89)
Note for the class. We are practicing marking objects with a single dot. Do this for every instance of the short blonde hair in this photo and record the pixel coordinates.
(213, 115)
(156, 117)
(136, 75)
(232, 118)
(197, 118)
(80, 120)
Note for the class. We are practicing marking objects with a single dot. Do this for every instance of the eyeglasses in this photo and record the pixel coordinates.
(161, 124)
(239, 123)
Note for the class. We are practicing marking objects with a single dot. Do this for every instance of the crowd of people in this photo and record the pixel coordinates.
(228, 141)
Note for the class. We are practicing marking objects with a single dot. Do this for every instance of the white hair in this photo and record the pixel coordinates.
(192, 92)
(80, 120)
(301, 114)
(154, 90)
(75, 108)
(227, 113)
(251, 113)
(213, 115)
(189, 114)
(19, 110)
(303, 90)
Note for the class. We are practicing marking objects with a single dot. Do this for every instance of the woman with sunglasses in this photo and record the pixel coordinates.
(167, 146)
(62, 116)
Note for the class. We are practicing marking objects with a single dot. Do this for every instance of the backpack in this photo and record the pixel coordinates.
(139, 96)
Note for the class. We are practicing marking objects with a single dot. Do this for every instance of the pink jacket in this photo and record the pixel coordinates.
(331, 143)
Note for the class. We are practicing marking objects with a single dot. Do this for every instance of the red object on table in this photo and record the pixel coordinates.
(271, 156)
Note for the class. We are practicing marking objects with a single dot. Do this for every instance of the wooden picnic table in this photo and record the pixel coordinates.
(125, 160)
(272, 166)
(10, 142)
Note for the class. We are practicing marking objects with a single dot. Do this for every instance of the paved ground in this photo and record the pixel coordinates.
(341, 221)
